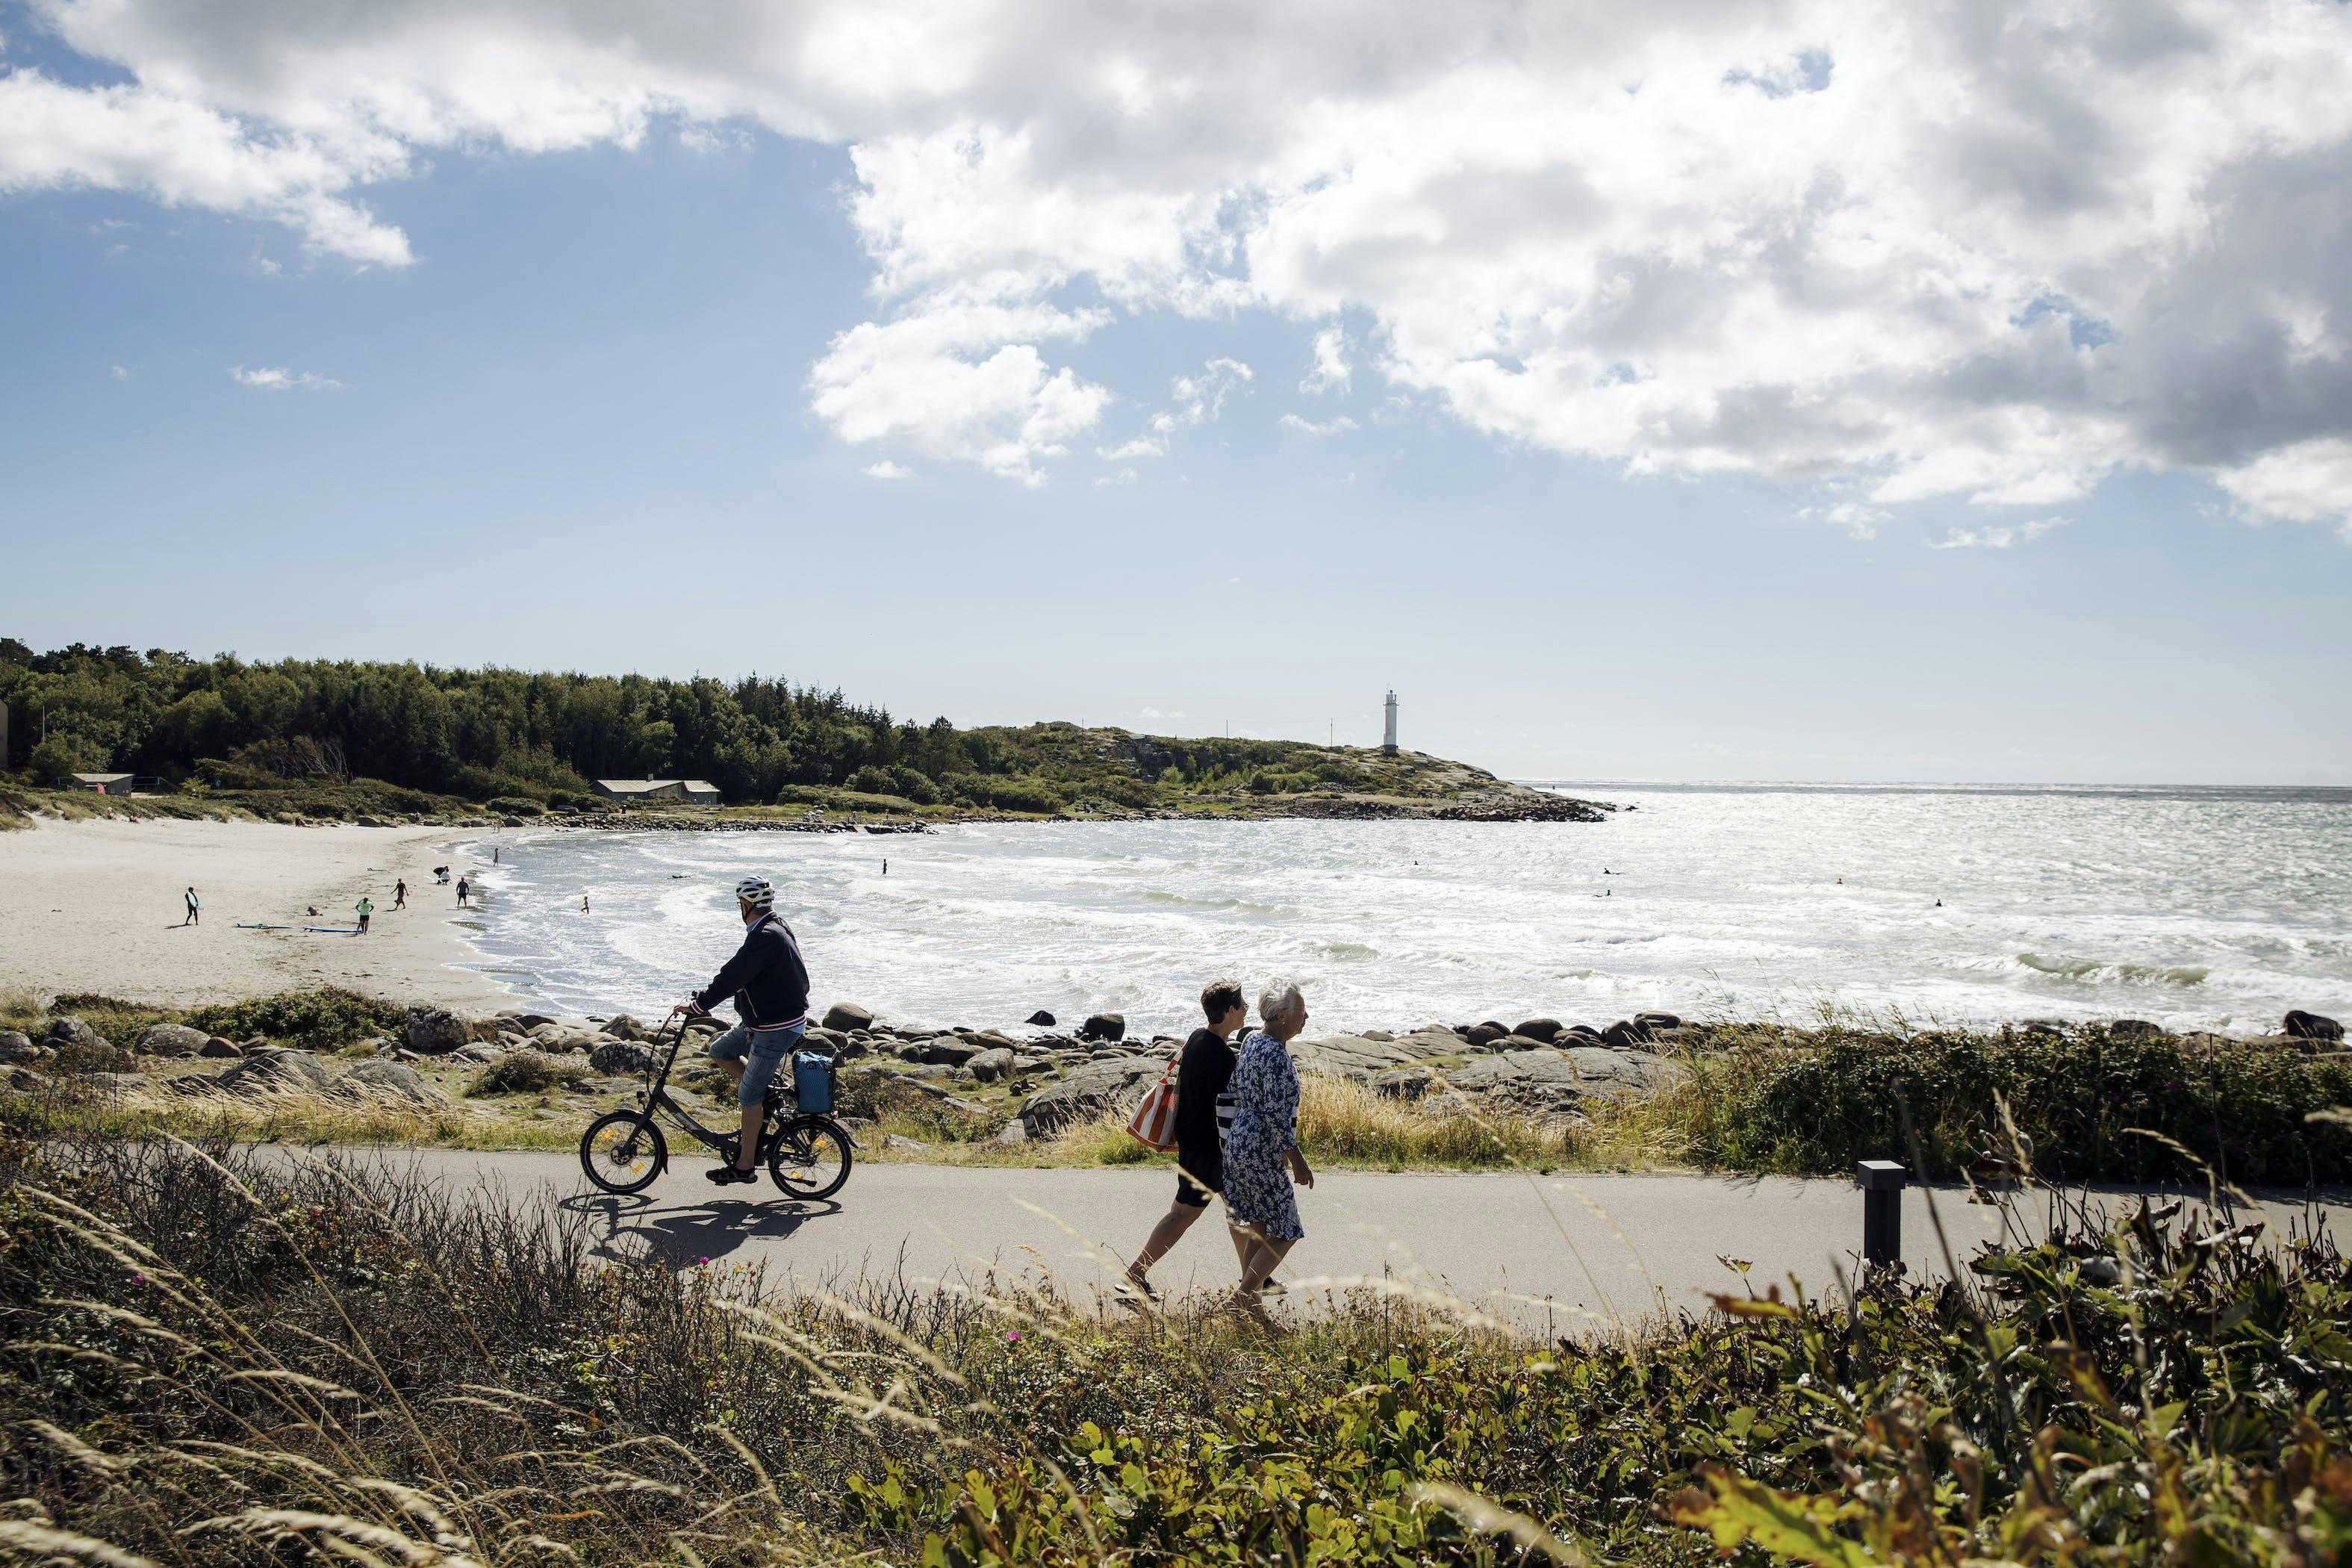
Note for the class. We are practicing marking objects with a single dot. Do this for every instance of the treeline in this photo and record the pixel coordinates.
(502, 734)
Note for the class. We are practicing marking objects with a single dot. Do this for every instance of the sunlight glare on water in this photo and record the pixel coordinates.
(2215, 909)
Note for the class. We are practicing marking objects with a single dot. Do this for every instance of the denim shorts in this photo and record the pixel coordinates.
(761, 1052)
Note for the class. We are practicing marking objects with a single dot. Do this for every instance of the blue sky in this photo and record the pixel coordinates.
(577, 420)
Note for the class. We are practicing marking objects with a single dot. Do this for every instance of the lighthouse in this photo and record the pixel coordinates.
(1388, 736)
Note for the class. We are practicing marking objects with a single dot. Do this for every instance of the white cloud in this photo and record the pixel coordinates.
(1140, 447)
(886, 470)
(1331, 373)
(1861, 521)
(1123, 476)
(1309, 428)
(1149, 714)
(2310, 481)
(1997, 538)
(951, 378)
(282, 380)
(1885, 248)
(117, 373)
(1194, 400)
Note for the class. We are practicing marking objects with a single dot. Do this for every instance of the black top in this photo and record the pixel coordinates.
(1200, 1075)
(766, 977)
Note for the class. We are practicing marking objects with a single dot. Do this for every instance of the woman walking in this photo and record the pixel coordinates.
(1200, 1075)
(1263, 1138)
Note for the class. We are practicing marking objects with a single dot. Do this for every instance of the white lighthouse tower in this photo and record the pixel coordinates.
(1388, 736)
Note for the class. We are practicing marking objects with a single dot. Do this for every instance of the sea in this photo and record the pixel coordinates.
(2216, 908)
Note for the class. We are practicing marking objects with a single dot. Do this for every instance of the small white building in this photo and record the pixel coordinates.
(634, 792)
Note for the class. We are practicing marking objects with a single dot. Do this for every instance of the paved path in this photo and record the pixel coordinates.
(1545, 1250)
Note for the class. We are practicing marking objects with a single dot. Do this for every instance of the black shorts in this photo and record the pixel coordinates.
(1199, 1173)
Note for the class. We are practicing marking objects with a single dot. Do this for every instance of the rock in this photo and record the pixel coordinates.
(1574, 1032)
(944, 1051)
(1618, 1073)
(434, 1031)
(1040, 1019)
(69, 1030)
(2137, 1029)
(171, 1040)
(78, 1058)
(1354, 1057)
(1543, 1031)
(1404, 1083)
(1104, 1026)
(1520, 1043)
(603, 1086)
(388, 1081)
(216, 1046)
(481, 1054)
(1485, 1033)
(1657, 1020)
(274, 1070)
(1085, 1092)
(989, 1065)
(16, 1048)
(621, 1027)
(617, 1057)
(1382, 1036)
(25, 1080)
(2042, 1026)
(847, 1016)
(114, 1082)
(1541, 1065)
(1012, 1132)
(2302, 1025)
(898, 1143)
(1623, 1035)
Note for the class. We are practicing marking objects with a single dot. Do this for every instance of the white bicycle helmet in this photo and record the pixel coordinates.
(756, 893)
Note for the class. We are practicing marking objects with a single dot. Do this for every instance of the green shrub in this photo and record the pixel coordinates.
(317, 1020)
(515, 806)
(2085, 1100)
(526, 1072)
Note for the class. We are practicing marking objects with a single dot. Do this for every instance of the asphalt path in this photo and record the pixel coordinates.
(1550, 1253)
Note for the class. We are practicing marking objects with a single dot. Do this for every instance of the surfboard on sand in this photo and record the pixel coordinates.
(257, 925)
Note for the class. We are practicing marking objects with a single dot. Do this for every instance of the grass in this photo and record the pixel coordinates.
(215, 1357)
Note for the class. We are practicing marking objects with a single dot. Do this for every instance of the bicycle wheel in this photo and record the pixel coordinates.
(811, 1159)
(623, 1151)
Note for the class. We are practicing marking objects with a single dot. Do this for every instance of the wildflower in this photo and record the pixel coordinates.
(137, 1277)
(1013, 1336)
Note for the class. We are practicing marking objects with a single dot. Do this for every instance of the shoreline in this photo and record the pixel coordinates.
(94, 907)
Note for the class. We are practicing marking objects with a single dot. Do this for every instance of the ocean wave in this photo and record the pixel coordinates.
(2095, 971)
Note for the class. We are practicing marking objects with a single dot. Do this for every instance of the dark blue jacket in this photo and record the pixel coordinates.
(766, 977)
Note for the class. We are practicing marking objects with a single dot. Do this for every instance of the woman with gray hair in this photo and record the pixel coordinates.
(1264, 1137)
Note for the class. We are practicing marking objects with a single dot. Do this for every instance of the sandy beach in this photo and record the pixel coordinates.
(96, 907)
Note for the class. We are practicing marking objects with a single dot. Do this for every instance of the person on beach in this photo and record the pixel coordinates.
(1263, 1141)
(1202, 1072)
(195, 906)
(583, 903)
(363, 908)
(464, 891)
(769, 984)
(400, 894)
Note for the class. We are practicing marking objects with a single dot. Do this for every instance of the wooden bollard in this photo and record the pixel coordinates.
(1881, 1183)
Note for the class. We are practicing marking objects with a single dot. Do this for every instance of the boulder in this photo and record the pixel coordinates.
(1012, 1133)
(1623, 1035)
(1404, 1083)
(385, 1080)
(1658, 1020)
(171, 1040)
(69, 1030)
(1541, 1065)
(847, 1016)
(1543, 1031)
(1104, 1026)
(617, 1057)
(2137, 1029)
(114, 1082)
(273, 1071)
(943, 1051)
(1485, 1033)
(1618, 1073)
(989, 1065)
(1380, 1034)
(434, 1031)
(621, 1027)
(529, 1020)
(1085, 1092)
(16, 1048)
(216, 1046)
(898, 1143)
(1575, 1032)
(1040, 1019)
(2302, 1025)
(481, 1054)
(1348, 1056)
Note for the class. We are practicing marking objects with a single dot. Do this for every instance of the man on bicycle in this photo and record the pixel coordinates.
(769, 984)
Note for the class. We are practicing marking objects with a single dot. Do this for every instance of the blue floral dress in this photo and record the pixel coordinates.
(1265, 1087)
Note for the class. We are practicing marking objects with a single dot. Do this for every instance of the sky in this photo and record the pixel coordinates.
(1698, 390)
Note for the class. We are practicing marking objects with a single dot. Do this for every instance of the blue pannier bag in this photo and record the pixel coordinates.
(813, 1082)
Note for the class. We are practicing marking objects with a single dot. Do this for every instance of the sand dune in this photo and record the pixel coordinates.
(96, 906)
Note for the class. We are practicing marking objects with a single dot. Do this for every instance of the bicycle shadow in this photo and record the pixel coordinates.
(678, 1234)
